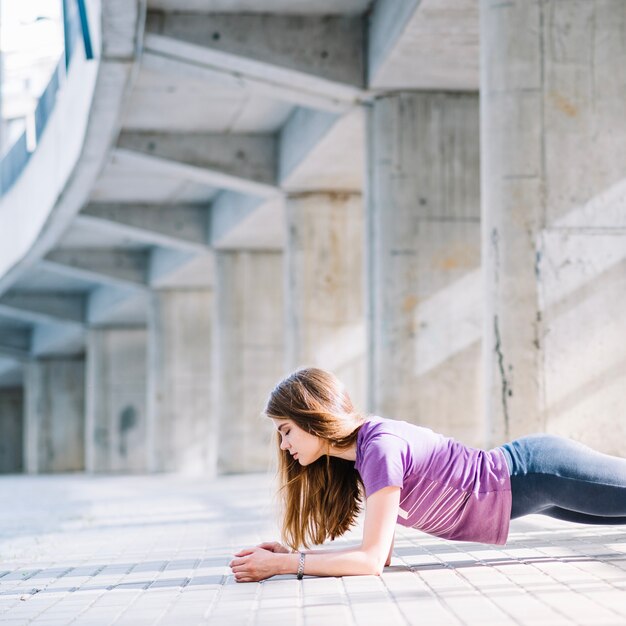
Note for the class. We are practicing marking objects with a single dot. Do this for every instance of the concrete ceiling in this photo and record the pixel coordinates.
(231, 107)
(166, 100)
(128, 177)
(293, 7)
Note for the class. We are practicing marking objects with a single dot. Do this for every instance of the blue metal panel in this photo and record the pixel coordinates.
(46, 102)
(75, 22)
(71, 26)
(13, 163)
(84, 23)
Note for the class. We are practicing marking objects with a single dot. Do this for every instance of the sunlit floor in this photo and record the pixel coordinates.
(154, 550)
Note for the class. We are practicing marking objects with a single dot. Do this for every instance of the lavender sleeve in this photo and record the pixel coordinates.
(383, 462)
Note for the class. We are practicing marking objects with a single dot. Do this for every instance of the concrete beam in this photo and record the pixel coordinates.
(15, 344)
(53, 340)
(44, 307)
(164, 262)
(18, 338)
(21, 356)
(178, 227)
(118, 306)
(424, 45)
(245, 163)
(126, 268)
(227, 212)
(387, 21)
(310, 60)
(301, 133)
(10, 373)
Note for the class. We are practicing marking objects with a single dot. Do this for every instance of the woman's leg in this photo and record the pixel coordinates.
(581, 518)
(565, 479)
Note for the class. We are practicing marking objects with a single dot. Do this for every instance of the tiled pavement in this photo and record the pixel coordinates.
(79, 549)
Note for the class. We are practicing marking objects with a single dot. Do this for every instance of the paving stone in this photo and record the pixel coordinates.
(136, 550)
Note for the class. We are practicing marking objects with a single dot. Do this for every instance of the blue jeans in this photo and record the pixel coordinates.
(565, 479)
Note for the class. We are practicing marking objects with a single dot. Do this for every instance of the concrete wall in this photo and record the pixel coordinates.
(182, 429)
(324, 274)
(11, 429)
(54, 434)
(115, 436)
(554, 171)
(423, 251)
(249, 355)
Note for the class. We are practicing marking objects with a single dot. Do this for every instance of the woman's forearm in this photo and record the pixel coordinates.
(330, 551)
(348, 562)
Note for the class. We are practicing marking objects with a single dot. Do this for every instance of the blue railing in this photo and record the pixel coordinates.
(12, 163)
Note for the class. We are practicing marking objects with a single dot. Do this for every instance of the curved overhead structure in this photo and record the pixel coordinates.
(55, 184)
(190, 114)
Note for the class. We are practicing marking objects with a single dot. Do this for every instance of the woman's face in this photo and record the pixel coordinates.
(303, 446)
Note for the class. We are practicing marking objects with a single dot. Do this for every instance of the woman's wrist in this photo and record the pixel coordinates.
(289, 563)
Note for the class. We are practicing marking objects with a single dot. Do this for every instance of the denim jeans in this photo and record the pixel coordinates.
(565, 479)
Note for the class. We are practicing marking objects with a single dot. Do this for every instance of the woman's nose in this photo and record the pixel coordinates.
(283, 444)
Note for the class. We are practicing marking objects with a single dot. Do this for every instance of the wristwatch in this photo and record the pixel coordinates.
(301, 566)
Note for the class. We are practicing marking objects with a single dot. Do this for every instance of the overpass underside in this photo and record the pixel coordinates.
(427, 198)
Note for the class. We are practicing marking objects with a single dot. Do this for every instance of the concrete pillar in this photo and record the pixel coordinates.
(11, 430)
(54, 434)
(423, 255)
(250, 355)
(325, 312)
(553, 165)
(182, 430)
(115, 437)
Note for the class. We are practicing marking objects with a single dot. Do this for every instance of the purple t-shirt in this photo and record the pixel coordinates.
(446, 489)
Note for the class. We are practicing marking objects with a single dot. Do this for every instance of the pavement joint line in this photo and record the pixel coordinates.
(488, 564)
(176, 572)
(344, 595)
(444, 606)
(559, 584)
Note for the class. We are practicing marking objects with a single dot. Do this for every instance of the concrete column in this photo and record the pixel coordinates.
(423, 254)
(325, 312)
(11, 430)
(553, 165)
(115, 437)
(182, 430)
(250, 355)
(54, 434)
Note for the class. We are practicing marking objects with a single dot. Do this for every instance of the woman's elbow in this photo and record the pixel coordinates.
(376, 565)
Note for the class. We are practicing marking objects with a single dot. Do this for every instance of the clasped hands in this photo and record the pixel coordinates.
(254, 564)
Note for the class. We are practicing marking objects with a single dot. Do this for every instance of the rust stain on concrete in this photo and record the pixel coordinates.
(410, 302)
(450, 263)
(563, 104)
(460, 257)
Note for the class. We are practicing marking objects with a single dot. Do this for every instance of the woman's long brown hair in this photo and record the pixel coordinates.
(321, 500)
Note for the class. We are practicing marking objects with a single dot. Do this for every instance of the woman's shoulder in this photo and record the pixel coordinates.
(379, 425)
(377, 432)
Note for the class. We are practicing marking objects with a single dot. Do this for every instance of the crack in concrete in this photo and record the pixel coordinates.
(506, 390)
